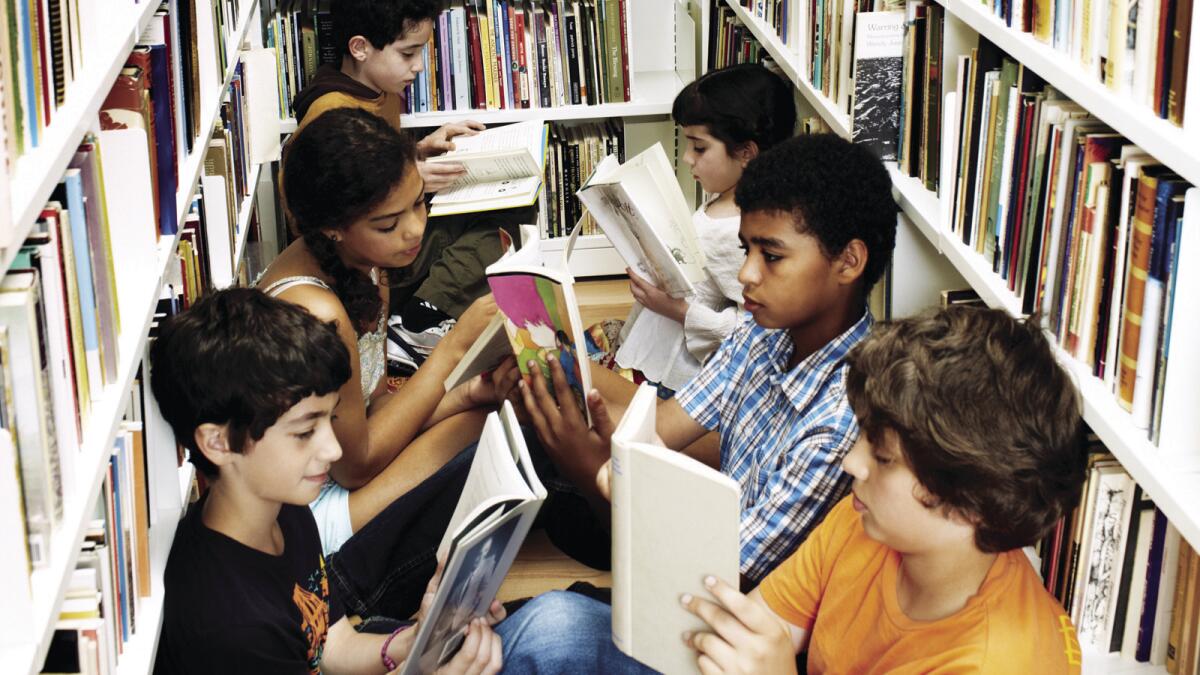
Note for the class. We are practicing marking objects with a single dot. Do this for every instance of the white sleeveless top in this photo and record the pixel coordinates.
(372, 346)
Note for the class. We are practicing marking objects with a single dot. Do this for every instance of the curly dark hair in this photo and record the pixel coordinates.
(834, 190)
(242, 358)
(339, 168)
(739, 104)
(985, 416)
(381, 22)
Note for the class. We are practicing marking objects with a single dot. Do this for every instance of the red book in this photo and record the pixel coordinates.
(478, 95)
(522, 69)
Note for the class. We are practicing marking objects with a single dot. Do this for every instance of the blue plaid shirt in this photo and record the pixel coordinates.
(783, 433)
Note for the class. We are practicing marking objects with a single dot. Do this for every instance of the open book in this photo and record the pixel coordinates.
(538, 319)
(641, 210)
(504, 168)
(499, 501)
(674, 521)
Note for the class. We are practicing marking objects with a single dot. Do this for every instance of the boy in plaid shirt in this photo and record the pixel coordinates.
(818, 226)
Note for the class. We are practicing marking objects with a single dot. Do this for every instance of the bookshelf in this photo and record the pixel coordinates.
(35, 175)
(662, 45)
(1168, 475)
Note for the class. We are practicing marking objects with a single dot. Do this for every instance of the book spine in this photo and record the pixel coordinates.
(543, 60)
(462, 72)
(1154, 578)
(479, 89)
(521, 64)
(488, 56)
(1162, 61)
(1180, 38)
(578, 90)
(1135, 285)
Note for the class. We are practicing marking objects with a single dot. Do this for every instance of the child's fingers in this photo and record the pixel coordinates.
(725, 624)
(496, 613)
(570, 413)
(708, 666)
(747, 611)
(604, 480)
(483, 655)
(711, 646)
(464, 661)
(496, 664)
(601, 421)
(444, 169)
(533, 406)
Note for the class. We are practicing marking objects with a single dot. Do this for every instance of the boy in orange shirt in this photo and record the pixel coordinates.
(970, 450)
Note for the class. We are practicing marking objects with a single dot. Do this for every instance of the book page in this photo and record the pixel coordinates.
(479, 192)
(486, 353)
(493, 474)
(508, 152)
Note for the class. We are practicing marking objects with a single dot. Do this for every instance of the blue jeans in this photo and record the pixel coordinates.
(563, 632)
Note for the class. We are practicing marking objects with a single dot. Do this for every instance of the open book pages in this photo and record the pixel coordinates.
(504, 168)
(642, 211)
(501, 498)
(541, 315)
(674, 521)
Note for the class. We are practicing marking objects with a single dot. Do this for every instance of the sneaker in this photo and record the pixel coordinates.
(420, 341)
(402, 359)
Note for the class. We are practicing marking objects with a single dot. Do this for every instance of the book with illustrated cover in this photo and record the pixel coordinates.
(499, 501)
(504, 167)
(878, 72)
(674, 521)
(641, 209)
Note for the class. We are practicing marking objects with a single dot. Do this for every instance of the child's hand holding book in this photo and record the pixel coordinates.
(746, 637)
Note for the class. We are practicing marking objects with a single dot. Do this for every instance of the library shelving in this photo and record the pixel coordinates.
(662, 46)
(34, 176)
(926, 247)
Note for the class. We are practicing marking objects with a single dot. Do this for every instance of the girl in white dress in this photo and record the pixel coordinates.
(728, 116)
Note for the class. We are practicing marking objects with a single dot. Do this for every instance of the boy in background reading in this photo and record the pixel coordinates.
(818, 225)
(970, 450)
(248, 384)
(382, 44)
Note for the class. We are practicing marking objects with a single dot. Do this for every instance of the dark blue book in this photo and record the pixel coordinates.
(164, 138)
(1153, 584)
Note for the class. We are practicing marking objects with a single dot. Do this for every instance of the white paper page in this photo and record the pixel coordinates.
(493, 474)
(485, 191)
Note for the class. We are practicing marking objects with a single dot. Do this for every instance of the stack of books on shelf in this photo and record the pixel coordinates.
(917, 148)
(1080, 223)
(729, 42)
(507, 54)
(1122, 571)
(301, 33)
(773, 13)
(575, 151)
(1137, 49)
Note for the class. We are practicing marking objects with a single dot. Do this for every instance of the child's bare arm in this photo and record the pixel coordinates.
(349, 652)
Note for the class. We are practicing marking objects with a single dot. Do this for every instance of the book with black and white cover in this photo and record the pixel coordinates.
(499, 501)
(878, 73)
(674, 521)
(641, 209)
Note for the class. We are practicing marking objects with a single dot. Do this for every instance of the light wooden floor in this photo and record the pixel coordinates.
(604, 299)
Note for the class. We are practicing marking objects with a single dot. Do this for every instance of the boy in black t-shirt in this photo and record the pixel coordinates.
(248, 384)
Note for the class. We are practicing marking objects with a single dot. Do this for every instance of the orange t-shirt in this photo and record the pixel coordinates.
(840, 585)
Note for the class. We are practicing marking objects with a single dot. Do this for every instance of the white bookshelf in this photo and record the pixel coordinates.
(243, 220)
(1170, 482)
(34, 177)
(37, 172)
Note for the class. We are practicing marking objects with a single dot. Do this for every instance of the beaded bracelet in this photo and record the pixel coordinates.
(388, 662)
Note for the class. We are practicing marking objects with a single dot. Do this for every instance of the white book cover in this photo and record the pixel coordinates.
(641, 209)
(206, 53)
(16, 621)
(878, 69)
(216, 227)
(1106, 541)
(261, 109)
(674, 521)
(125, 161)
(1145, 51)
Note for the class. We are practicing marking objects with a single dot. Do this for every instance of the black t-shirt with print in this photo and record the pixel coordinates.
(232, 609)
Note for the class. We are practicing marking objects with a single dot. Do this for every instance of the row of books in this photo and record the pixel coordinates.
(1137, 49)
(505, 54)
(730, 42)
(918, 151)
(774, 14)
(574, 152)
(301, 33)
(1122, 571)
(1079, 222)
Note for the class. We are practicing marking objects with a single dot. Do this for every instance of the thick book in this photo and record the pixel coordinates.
(499, 501)
(674, 522)
(640, 208)
(536, 295)
(504, 167)
(878, 68)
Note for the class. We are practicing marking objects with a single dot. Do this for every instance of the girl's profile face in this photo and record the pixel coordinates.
(710, 161)
(390, 235)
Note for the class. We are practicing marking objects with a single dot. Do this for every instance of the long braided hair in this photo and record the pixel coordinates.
(338, 169)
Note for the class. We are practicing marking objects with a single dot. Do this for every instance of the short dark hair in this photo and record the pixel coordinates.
(242, 358)
(985, 416)
(338, 169)
(381, 22)
(834, 190)
(739, 104)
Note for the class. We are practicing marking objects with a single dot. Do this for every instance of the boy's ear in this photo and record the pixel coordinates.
(213, 442)
(359, 47)
(746, 152)
(852, 262)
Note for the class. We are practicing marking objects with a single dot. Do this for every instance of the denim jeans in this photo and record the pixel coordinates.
(563, 632)
(380, 573)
